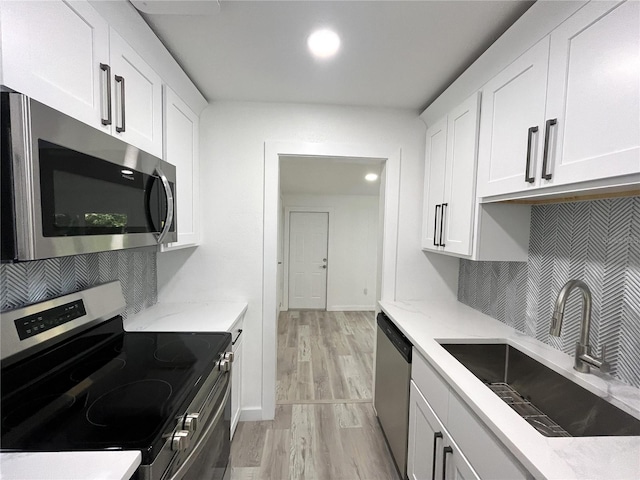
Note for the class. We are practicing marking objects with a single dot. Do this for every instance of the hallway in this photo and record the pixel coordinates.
(325, 427)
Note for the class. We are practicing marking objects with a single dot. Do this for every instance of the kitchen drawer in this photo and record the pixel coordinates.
(483, 450)
(430, 384)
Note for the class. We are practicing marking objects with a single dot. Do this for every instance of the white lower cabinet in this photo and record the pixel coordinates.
(236, 376)
(432, 452)
(446, 440)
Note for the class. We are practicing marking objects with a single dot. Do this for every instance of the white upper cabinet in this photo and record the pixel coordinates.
(181, 149)
(460, 177)
(594, 93)
(567, 110)
(65, 55)
(453, 221)
(435, 168)
(52, 51)
(511, 122)
(450, 173)
(136, 98)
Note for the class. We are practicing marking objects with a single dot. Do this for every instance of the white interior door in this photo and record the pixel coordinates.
(308, 235)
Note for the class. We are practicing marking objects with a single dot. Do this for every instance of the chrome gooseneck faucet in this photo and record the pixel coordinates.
(584, 360)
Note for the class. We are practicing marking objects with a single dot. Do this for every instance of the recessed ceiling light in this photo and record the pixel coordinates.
(126, 171)
(371, 177)
(323, 43)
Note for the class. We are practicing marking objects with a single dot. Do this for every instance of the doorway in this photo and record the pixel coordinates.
(308, 252)
(387, 238)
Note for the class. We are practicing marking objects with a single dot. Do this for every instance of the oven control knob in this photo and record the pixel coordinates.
(191, 422)
(229, 356)
(224, 365)
(180, 440)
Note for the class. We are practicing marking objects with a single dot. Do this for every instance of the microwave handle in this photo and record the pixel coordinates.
(169, 194)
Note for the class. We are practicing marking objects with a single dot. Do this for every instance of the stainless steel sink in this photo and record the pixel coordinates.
(551, 403)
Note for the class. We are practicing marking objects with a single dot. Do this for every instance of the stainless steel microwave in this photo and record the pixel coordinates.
(68, 188)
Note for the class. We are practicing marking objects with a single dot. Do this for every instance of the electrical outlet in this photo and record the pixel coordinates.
(365, 291)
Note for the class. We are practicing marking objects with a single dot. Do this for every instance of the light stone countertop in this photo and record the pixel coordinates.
(187, 317)
(554, 458)
(69, 465)
(162, 317)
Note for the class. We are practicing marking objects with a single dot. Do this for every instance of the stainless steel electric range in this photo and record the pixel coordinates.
(73, 379)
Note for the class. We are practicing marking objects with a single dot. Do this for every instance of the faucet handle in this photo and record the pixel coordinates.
(605, 367)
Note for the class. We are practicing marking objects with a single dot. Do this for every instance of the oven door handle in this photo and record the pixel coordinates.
(169, 194)
(203, 438)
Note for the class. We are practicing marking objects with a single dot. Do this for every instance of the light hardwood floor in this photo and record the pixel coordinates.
(324, 356)
(325, 427)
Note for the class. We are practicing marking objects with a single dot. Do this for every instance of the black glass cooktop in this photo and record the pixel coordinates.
(105, 389)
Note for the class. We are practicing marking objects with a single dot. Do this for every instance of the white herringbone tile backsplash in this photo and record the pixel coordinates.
(596, 241)
(25, 283)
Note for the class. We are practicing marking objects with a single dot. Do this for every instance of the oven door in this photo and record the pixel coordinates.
(80, 190)
(208, 458)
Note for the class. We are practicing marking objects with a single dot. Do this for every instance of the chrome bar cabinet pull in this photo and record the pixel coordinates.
(436, 436)
(435, 227)
(444, 205)
(545, 158)
(123, 126)
(106, 101)
(445, 451)
(527, 178)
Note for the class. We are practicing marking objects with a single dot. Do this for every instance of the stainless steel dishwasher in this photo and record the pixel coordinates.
(393, 375)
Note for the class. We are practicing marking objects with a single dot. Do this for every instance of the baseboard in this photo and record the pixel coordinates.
(251, 414)
(351, 308)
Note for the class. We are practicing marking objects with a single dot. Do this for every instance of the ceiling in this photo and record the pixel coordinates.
(399, 54)
(328, 176)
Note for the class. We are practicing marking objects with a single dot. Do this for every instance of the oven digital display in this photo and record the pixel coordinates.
(41, 322)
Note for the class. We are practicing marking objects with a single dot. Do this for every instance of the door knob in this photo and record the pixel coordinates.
(324, 266)
(324, 260)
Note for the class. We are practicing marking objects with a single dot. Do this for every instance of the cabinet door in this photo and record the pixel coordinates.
(137, 98)
(460, 179)
(594, 93)
(426, 439)
(181, 149)
(236, 385)
(456, 466)
(513, 102)
(434, 172)
(52, 50)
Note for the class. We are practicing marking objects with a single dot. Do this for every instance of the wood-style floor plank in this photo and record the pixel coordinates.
(334, 355)
(323, 442)
(325, 427)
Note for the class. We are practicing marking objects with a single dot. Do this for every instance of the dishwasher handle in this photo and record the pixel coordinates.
(395, 336)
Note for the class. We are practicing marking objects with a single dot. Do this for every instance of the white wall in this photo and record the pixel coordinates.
(280, 280)
(352, 248)
(228, 264)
